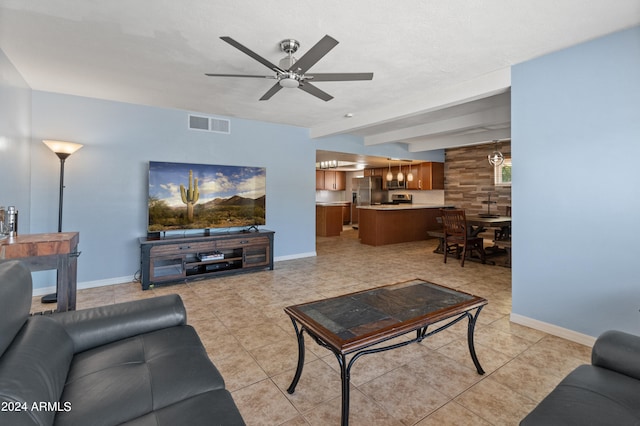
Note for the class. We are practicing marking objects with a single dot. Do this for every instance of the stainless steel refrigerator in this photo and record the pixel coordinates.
(365, 192)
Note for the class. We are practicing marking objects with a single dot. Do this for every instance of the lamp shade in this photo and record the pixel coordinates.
(62, 148)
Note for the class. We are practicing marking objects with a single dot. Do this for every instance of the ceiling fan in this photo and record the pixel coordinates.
(291, 72)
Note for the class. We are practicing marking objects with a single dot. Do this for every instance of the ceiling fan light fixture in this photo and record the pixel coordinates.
(289, 82)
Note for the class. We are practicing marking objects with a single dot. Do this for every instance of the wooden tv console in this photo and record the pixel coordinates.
(172, 259)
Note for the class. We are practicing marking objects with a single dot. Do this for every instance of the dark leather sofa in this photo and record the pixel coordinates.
(607, 392)
(135, 363)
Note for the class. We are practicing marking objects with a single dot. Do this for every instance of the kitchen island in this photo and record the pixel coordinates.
(398, 223)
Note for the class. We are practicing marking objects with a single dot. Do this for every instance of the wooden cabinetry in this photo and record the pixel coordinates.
(375, 172)
(430, 175)
(379, 171)
(379, 226)
(319, 179)
(173, 259)
(426, 176)
(328, 220)
(346, 214)
(331, 180)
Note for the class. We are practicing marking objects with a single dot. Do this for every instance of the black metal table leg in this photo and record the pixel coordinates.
(296, 377)
(345, 377)
(470, 330)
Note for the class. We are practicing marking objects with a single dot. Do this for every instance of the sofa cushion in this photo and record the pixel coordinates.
(15, 302)
(33, 371)
(131, 378)
(590, 396)
(101, 325)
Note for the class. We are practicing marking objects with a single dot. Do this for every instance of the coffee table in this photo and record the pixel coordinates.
(353, 323)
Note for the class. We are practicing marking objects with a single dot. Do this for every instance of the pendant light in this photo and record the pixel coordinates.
(496, 158)
(410, 175)
(389, 174)
(400, 174)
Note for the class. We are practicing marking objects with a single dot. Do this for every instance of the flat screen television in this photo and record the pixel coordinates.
(185, 196)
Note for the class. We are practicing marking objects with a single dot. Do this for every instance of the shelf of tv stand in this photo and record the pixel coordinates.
(172, 259)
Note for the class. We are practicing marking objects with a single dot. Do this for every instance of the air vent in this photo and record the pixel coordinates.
(209, 124)
(220, 126)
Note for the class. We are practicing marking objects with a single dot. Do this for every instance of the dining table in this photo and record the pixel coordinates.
(479, 223)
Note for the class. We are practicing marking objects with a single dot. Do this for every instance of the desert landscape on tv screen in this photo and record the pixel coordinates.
(202, 196)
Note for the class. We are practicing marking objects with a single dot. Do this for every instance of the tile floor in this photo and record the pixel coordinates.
(249, 338)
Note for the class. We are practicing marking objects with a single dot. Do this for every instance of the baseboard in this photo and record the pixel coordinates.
(554, 330)
(295, 256)
(84, 285)
(41, 291)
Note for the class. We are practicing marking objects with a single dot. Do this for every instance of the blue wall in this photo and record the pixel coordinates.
(576, 197)
(15, 134)
(106, 181)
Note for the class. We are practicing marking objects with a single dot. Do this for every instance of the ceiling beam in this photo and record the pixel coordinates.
(486, 85)
(479, 119)
(474, 138)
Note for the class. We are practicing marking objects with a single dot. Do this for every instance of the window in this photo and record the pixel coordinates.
(502, 173)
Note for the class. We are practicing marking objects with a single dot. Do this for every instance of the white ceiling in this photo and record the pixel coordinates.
(441, 67)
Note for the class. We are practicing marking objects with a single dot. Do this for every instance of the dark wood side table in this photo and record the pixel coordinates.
(42, 252)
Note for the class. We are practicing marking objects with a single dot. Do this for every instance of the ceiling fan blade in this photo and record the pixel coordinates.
(310, 88)
(351, 76)
(314, 54)
(274, 89)
(253, 54)
(240, 75)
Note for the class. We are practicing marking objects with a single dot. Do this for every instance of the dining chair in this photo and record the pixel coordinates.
(456, 235)
(503, 234)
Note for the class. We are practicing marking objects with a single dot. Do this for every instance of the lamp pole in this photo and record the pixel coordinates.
(62, 156)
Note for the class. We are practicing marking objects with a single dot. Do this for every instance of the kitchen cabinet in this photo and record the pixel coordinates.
(382, 172)
(331, 180)
(375, 172)
(426, 176)
(331, 217)
(335, 180)
(319, 179)
(346, 214)
(328, 220)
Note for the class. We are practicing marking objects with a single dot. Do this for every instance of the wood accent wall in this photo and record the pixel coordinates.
(469, 178)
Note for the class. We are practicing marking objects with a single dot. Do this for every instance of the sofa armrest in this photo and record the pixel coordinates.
(89, 328)
(618, 351)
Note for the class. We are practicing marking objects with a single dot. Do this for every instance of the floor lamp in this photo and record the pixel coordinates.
(63, 150)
